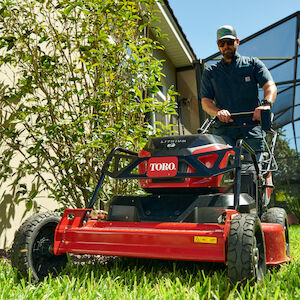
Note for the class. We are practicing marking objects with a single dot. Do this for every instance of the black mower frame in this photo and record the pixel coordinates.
(200, 169)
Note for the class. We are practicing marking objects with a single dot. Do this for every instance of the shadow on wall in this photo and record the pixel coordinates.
(14, 208)
(7, 214)
(9, 192)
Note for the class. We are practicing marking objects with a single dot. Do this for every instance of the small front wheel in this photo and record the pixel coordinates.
(32, 249)
(246, 255)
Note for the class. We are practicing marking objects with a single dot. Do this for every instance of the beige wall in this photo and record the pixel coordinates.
(168, 70)
(167, 81)
(11, 215)
(188, 99)
(185, 84)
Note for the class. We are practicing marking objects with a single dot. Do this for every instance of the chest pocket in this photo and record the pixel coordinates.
(245, 77)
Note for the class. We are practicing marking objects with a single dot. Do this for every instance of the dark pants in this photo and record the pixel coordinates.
(256, 144)
(254, 140)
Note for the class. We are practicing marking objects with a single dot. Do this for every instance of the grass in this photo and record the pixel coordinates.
(148, 279)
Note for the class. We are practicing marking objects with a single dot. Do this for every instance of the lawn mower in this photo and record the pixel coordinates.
(204, 201)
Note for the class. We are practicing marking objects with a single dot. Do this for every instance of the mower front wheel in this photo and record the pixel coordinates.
(246, 257)
(32, 249)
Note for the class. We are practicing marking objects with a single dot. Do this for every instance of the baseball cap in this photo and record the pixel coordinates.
(226, 32)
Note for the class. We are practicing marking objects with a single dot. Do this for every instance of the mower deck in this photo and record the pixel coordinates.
(79, 233)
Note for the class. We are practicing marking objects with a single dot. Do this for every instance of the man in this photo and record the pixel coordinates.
(231, 86)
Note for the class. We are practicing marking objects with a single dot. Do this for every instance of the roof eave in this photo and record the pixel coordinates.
(177, 46)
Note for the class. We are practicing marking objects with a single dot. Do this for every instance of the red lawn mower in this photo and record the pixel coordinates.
(205, 201)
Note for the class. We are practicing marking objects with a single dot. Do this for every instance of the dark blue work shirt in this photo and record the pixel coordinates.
(234, 86)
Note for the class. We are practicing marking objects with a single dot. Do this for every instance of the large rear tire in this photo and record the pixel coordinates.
(246, 255)
(32, 249)
(278, 215)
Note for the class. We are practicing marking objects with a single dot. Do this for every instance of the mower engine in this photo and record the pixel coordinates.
(163, 165)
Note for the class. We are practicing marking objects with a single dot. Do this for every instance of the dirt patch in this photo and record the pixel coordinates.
(293, 219)
(5, 253)
(76, 259)
(91, 259)
(5, 256)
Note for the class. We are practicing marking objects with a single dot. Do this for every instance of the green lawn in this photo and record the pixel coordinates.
(148, 279)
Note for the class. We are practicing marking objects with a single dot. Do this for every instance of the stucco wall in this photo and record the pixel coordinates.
(188, 99)
(11, 214)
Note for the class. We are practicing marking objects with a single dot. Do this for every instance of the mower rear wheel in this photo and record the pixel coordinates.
(246, 255)
(32, 249)
(278, 215)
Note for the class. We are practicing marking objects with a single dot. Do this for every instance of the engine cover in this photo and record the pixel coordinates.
(163, 164)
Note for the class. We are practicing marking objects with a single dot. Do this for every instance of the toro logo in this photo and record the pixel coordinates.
(162, 166)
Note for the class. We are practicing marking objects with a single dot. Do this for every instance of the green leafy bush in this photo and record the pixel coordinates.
(287, 178)
(294, 205)
(83, 79)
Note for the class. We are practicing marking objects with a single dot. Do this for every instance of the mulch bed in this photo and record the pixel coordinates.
(4, 253)
(76, 259)
(5, 256)
(91, 259)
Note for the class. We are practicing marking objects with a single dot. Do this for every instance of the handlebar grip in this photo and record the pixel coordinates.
(242, 114)
(266, 118)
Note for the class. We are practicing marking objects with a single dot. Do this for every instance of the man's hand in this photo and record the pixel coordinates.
(224, 116)
(210, 107)
(256, 114)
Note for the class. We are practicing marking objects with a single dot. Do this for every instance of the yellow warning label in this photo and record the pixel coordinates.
(205, 239)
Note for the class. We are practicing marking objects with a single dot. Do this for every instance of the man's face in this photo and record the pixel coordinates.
(228, 47)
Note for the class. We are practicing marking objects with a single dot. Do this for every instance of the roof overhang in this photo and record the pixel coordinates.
(176, 45)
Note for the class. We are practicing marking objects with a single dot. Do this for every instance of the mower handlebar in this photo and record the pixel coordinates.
(238, 115)
(242, 114)
(265, 123)
(266, 119)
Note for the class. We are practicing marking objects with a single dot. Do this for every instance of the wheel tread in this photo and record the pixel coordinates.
(239, 247)
(23, 238)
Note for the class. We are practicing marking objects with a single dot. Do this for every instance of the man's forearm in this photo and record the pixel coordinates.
(270, 91)
(209, 106)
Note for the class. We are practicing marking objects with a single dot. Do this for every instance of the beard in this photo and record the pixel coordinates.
(229, 53)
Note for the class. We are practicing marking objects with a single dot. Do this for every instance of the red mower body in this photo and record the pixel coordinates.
(164, 169)
(82, 233)
(185, 216)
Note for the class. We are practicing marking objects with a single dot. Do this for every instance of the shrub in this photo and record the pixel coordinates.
(289, 202)
(294, 205)
(83, 79)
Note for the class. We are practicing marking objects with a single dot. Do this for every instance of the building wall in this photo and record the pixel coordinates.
(185, 84)
(168, 80)
(12, 214)
(188, 100)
